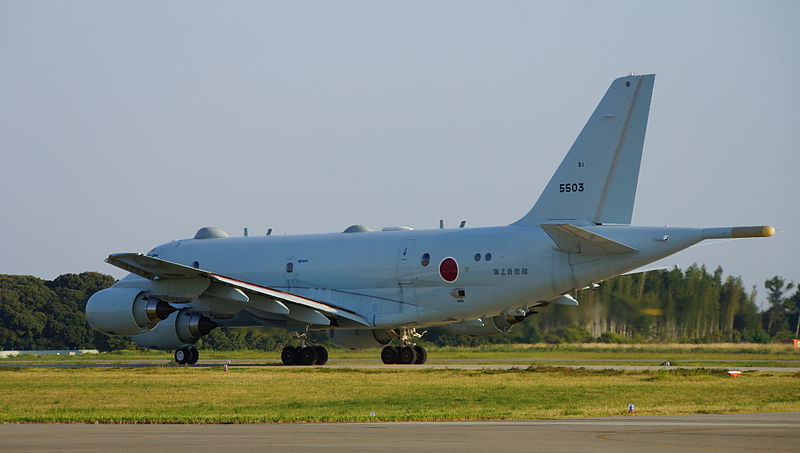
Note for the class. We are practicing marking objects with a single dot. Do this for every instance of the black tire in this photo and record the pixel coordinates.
(182, 356)
(194, 356)
(308, 355)
(422, 355)
(289, 355)
(407, 355)
(322, 355)
(389, 355)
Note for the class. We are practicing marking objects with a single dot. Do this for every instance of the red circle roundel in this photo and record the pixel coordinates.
(448, 269)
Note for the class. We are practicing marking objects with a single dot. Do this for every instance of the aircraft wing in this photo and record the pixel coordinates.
(153, 268)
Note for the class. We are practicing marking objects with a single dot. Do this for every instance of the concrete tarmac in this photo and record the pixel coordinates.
(773, 432)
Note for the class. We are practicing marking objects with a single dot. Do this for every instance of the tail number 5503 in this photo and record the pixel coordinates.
(573, 187)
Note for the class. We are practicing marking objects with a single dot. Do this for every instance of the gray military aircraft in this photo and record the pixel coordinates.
(369, 288)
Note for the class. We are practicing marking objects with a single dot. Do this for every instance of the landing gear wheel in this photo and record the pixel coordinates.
(422, 355)
(182, 356)
(407, 355)
(322, 355)
(389, 355)
(308, 355)
(289, 355)
(194, 356)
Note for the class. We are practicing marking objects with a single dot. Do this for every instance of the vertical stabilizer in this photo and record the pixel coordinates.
(596, 181)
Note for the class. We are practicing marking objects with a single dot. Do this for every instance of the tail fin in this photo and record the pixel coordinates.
(596, 181)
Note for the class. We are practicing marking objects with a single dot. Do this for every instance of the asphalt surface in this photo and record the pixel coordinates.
(773, 432)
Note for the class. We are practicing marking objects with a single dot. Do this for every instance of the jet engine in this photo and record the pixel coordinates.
(125, 311)
(488, 326)
(180, 330)
(359, 339)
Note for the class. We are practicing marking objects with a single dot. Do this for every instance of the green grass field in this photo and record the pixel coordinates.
(248, 395)
(299, 394)
(727, 354)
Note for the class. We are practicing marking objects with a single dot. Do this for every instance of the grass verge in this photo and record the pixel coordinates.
(210, 395)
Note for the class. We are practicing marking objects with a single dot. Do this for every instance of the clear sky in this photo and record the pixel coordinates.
(128, 124)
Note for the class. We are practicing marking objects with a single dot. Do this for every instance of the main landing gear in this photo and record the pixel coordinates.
(305, 354)
(187, 356)
(409, 354)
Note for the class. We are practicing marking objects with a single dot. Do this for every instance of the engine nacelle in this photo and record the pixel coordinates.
(487, 326)
(359, 339)
(179, 330)
(125, 311)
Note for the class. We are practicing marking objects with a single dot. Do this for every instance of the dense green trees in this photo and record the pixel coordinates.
(783, 309)
(39, 314)
(677, 306)
(661, 306)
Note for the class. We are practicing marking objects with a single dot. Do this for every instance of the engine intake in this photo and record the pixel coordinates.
(125, 311)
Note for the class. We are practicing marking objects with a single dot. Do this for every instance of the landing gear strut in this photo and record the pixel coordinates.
(187, 356)
(305, 354)
(408, 352)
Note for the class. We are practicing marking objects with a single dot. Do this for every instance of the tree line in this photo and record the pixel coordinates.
(689, 305)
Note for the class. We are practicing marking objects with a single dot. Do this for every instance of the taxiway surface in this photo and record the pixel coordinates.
(773, 432)
(376, 364)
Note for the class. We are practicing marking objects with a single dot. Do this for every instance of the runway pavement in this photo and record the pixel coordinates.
(773, 432)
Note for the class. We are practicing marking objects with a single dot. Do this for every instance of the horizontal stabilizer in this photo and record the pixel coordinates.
(652, 268)
(572, 239)
(565, 299)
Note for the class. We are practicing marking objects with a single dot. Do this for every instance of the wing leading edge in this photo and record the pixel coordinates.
(157, 269)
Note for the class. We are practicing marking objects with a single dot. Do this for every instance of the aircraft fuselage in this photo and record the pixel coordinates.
(498, 268)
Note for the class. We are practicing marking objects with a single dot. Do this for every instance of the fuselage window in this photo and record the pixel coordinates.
(289, 267)
(488, 257)
(426, 259)
(477, 257)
